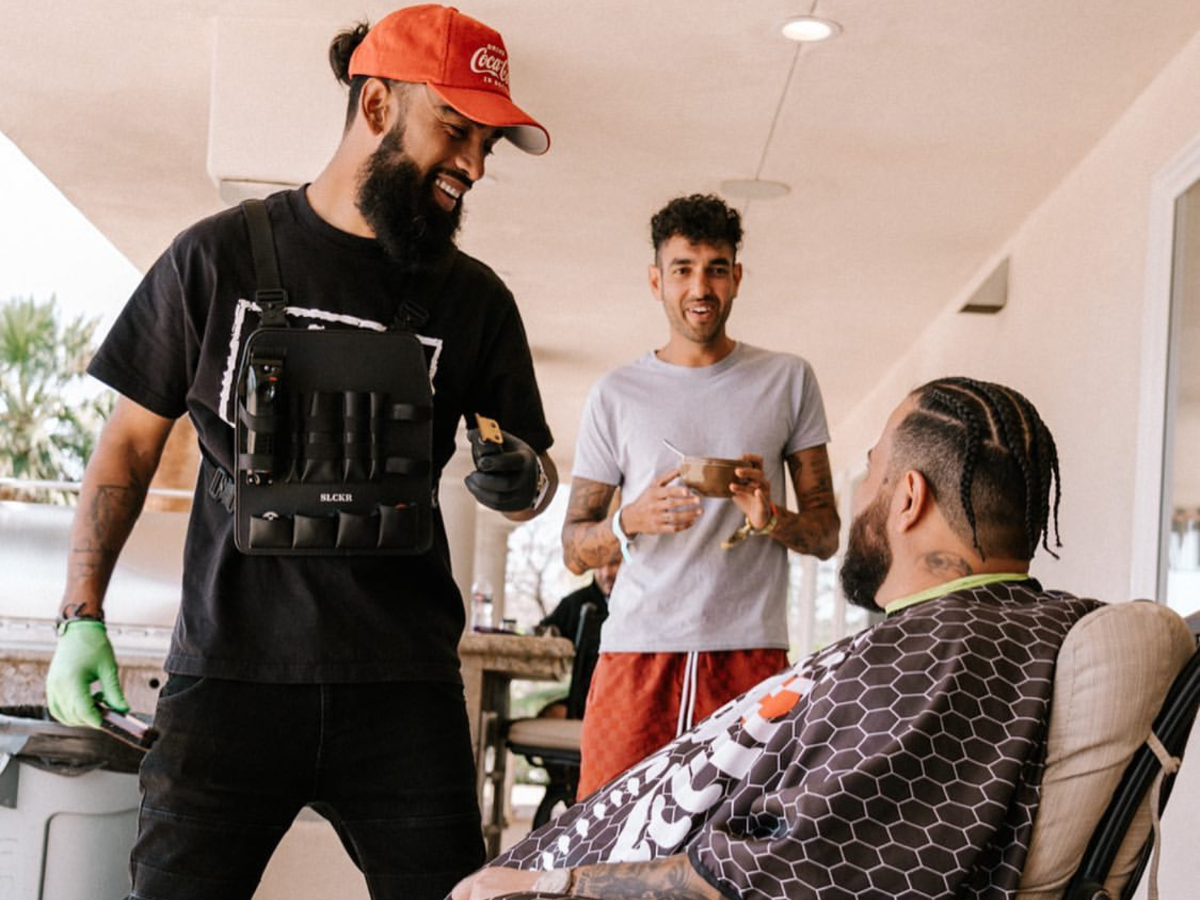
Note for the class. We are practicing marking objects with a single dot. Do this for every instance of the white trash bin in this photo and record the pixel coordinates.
(68, 810)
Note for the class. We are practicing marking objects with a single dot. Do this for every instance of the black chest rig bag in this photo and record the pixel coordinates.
(333, 431)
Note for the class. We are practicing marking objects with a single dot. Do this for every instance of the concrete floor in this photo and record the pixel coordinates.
(310, 863)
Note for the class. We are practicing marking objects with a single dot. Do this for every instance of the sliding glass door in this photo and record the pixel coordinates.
(1180, 548)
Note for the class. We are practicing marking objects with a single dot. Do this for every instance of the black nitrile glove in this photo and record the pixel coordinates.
(506, 475)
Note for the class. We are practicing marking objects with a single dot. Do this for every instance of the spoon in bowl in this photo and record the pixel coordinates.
(672, 447)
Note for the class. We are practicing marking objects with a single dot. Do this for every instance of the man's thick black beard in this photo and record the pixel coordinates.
(868, 557)
(398, 204)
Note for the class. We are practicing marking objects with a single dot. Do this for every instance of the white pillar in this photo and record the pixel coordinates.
(491, 554)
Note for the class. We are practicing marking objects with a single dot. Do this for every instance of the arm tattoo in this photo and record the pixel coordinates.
(814, 528)
(670, 877)
(103, 523)
(946, 565)
(588, 541)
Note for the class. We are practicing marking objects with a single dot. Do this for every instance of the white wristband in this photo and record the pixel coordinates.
(622, 539)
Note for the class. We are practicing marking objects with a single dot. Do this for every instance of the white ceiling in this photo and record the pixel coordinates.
(914, 145)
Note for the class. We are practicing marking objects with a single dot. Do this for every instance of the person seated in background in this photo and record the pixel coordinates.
(904, 760)
(564, 621)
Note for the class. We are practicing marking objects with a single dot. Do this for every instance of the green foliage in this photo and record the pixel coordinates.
(50, 420)
(526, 698)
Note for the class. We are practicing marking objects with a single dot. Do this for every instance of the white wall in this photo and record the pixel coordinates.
(1070, 337)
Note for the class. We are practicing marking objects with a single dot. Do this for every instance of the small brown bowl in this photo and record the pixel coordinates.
(710, 476)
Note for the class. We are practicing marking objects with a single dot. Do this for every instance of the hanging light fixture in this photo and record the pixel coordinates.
(754, 189)
(802, 29)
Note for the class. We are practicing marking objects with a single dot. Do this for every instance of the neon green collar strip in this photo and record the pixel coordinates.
(958, 584)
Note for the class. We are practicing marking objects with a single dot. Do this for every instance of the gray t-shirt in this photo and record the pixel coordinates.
(681, 592)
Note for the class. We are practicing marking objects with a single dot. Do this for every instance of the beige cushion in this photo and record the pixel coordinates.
(548, 734)
(1113, 672)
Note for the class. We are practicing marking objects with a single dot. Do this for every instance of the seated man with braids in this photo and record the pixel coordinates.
(903, 761)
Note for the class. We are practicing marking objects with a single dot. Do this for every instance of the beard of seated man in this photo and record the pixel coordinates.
(868, 556)
(904, 760)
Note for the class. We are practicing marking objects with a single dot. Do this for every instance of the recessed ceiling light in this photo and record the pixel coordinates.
(810, 29)
(754, 189)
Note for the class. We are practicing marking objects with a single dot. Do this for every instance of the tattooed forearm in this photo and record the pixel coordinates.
(814, 529)
(105, 517)
(946, 565)
(811, 474)
(814, 532)
(588, 540)
(115, 485)
(671, 877)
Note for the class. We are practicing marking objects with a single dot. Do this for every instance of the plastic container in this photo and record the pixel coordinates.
(482, 609)
(68, 809)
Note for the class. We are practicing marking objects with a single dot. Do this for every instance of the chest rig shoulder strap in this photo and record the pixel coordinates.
(269, 295)
(271, 300)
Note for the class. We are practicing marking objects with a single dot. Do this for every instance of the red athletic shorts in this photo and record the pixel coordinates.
(639, 702)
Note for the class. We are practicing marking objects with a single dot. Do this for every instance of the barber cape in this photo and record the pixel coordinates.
(901, 762)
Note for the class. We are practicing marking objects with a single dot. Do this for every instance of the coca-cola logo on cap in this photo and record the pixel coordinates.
(491, 62)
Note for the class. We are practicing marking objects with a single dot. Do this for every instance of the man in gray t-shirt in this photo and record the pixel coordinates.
(693, 624)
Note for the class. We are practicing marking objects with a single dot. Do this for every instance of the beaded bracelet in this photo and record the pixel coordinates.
(747, 530)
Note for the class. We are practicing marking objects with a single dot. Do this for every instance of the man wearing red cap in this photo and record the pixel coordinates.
(324, 681)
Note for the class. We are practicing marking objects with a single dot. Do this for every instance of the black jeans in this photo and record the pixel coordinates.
(389, 765)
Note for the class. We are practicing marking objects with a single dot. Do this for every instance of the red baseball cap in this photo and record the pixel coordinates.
(460, 58)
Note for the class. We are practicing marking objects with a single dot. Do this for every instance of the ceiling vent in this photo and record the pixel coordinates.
(992, 294)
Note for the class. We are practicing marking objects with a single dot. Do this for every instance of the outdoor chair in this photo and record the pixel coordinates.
(1126, 689)
(553, 744)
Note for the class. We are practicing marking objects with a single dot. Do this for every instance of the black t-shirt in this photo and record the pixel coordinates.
(565, 616)
(176, 349)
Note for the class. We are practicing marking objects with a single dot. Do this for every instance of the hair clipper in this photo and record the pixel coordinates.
(264, 404)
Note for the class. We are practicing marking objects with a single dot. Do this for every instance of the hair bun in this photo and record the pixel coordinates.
(342, 47)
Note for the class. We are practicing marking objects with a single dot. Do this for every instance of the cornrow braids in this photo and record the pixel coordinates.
(1021, 452)
(1039, 431)
(989, 442)
(1028, 454)
(958, 410)
(1038, 516)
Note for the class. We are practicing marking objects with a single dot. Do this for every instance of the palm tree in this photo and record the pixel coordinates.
(50, 420)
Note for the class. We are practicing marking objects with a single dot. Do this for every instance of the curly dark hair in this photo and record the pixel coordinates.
(990, 462)
(701, 218)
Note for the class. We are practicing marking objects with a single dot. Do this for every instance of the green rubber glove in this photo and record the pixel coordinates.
(83, 655)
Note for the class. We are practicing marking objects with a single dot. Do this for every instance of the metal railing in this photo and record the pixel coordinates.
(73, 487)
